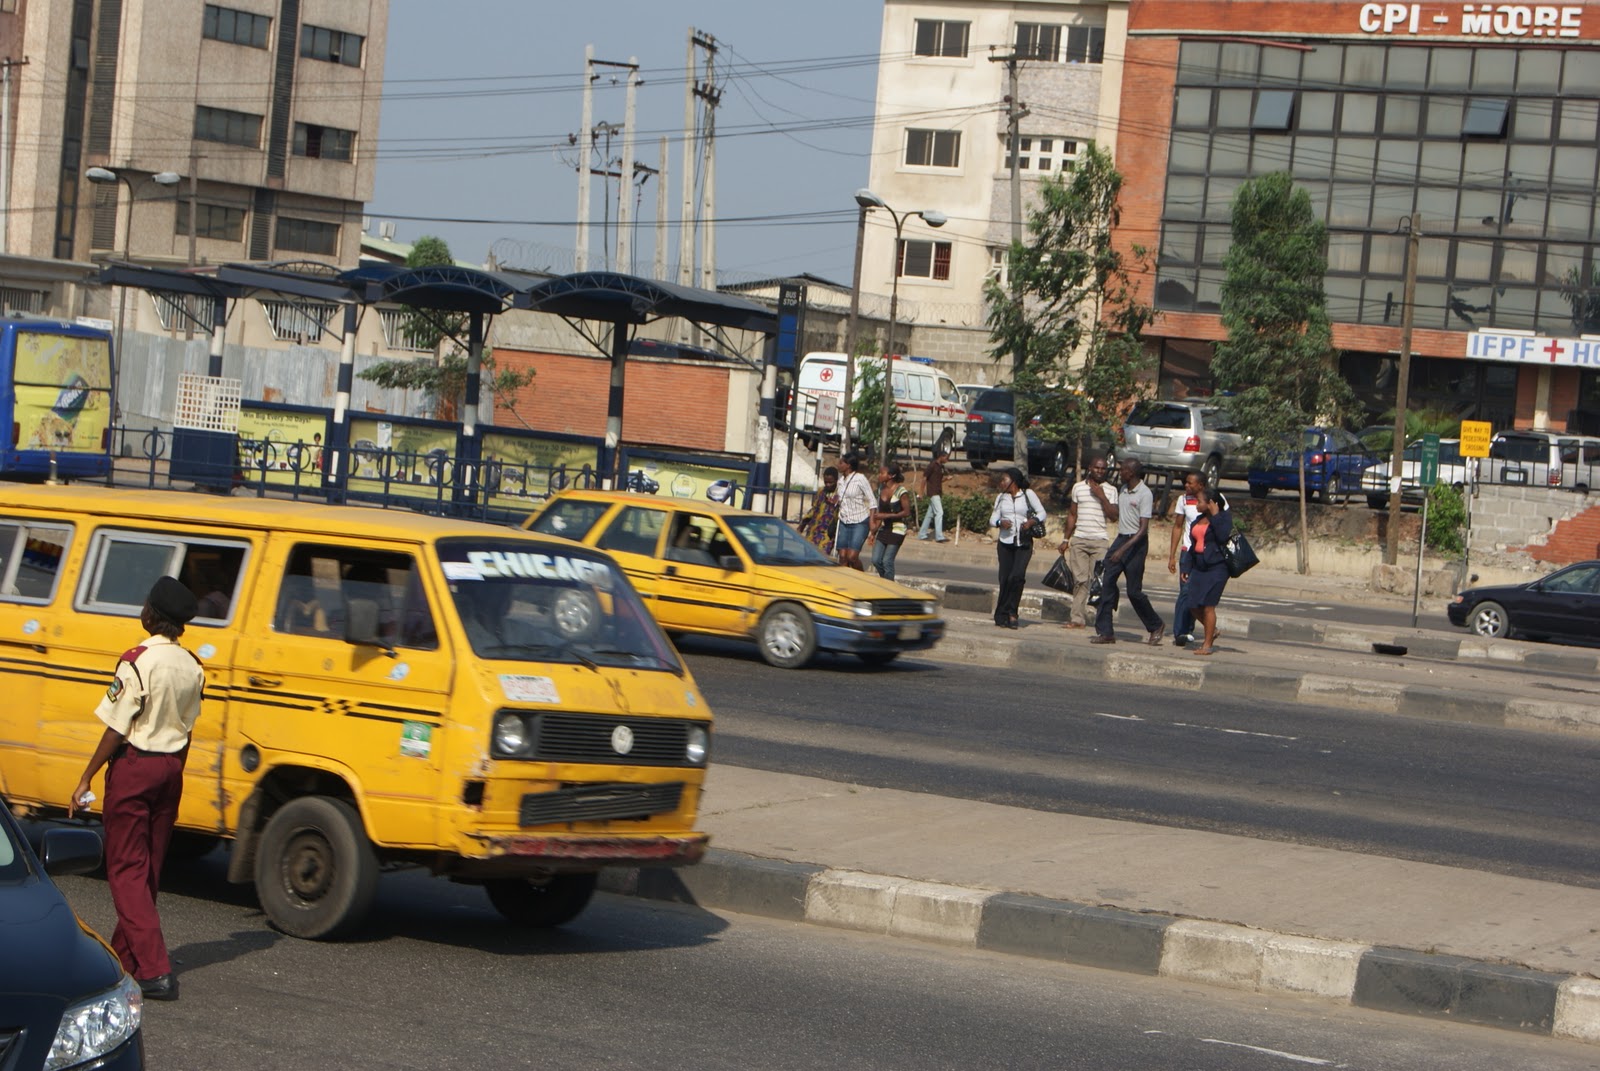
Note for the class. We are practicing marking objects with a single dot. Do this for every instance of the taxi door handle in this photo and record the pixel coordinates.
(671, 570)
(264, 682)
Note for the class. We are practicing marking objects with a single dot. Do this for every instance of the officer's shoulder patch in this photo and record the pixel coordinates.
(132, 654)
(115, 689)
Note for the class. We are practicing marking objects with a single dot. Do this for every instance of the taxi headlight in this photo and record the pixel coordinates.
(929, 606)
(861, 609)
(697, 745)
(511, 735)
(95, 1027)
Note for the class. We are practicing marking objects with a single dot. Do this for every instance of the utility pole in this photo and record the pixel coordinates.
(711, 96)
(686, 216)
(1391, 545)
(1015, 113)
(5, 149)
(625, 184)
(661, 218)
(581, 254)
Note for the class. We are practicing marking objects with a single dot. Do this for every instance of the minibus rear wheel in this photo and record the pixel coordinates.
(316, 871)
(541, 904)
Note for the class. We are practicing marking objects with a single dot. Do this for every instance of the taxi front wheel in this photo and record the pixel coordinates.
(541, 904)
(316, 872)
(786, 636)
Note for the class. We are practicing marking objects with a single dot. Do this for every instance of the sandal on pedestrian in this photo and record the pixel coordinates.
(1203, 651)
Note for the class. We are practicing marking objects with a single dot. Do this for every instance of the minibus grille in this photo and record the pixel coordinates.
(897, 608)
(599, 803)
(563, 737)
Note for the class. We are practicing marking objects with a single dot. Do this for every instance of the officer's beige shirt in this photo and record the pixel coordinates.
(154, 700)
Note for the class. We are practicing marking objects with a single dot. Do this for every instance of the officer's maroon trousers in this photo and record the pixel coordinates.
(142, 794)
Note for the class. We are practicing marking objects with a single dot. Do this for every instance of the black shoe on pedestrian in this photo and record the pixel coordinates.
(161, 987)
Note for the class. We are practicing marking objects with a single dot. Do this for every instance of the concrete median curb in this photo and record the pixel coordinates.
(970, 644)
(1272, 629)
(1093, 935)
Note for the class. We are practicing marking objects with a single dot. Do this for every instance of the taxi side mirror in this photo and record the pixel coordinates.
(361, 625)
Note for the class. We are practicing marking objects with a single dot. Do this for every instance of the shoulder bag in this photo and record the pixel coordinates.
(1239, 555)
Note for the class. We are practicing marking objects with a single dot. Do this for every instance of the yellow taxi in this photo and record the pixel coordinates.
(719, 571)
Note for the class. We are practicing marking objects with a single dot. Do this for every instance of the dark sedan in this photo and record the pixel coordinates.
(67, 1001)
(991, 423)
(1562, 606)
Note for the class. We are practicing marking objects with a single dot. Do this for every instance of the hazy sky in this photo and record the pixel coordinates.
(481, 96)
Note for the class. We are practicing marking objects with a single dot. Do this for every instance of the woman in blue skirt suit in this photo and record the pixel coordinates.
(1204, 566)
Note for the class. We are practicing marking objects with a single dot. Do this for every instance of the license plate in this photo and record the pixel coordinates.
(910, 632)
(1002, 429)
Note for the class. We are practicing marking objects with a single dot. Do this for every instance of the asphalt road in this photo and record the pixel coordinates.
(1497, 800)
(438, 981)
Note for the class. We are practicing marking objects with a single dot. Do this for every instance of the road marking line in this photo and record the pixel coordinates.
(1117, 717)
(1235, 732)
(1270, 1052)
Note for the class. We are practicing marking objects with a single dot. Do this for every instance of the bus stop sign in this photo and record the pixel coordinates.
(1429, 469)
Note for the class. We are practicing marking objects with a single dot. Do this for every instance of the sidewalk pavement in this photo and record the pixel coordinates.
(1232, 911)
(1202, 907)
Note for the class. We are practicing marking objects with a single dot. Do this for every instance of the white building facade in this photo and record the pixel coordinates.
(941, 139)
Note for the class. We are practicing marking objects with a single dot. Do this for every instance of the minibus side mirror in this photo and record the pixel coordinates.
(731, 563)
(361, 625)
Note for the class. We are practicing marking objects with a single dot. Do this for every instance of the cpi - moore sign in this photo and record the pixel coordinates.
(1517, 347)
(1473, 20)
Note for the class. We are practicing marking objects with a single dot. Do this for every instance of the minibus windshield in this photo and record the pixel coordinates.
(520, 601)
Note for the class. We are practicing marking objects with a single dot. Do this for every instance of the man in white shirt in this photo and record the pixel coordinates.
(1125, 559)
(1089, 515)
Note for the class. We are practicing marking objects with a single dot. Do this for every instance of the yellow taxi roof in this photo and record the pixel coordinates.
(665, 501)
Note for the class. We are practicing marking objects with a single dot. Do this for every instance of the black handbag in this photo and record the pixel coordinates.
(1239, 554)
(1097, 589)
(1035, 528)
(1060, 577)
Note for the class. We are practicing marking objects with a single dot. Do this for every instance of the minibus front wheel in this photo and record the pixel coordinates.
(316, 871)
(541, 904)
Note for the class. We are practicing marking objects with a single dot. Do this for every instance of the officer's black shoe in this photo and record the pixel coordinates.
(161, 987)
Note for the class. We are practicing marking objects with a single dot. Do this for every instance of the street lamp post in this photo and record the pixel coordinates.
(106, 175)
(869, 200)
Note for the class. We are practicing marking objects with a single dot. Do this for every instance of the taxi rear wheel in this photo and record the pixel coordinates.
(541, 904)
(316, 871)
(786, 637)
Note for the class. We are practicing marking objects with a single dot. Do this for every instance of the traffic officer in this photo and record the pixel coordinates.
(150, 707)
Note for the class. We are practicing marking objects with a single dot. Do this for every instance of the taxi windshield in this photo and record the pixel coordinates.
(526, 602)
(769, 541)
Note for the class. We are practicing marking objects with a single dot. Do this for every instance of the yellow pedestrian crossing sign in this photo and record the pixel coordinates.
(1475, 438)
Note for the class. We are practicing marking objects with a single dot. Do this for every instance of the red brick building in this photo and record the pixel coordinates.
(1479, 121)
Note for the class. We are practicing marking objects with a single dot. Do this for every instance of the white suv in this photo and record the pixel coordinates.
(1543, 459)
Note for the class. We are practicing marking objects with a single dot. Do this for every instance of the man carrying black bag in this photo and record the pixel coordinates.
(1087, 535)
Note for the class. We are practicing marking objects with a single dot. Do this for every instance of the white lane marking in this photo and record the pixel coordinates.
(1235, 732)
(1117, 717)
(1271, 1052)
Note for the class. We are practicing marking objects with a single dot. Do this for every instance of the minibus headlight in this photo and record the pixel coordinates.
(697, 745)
(511, 735)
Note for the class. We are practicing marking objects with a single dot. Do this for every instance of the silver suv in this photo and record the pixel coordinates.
(1185, 435)
(1543, 459)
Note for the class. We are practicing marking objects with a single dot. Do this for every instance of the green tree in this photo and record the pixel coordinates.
(1069, 311)
(867, 408)
(1278, 359)
(443, 375)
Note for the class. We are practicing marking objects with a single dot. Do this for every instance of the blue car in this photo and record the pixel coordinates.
(1334, 459)
(66, 1000)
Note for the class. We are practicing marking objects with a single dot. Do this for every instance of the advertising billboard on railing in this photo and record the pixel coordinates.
(520, 469)
(412, 460)
(706, 479)
(282, 446)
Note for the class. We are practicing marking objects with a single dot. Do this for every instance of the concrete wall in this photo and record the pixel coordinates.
(1524, 519)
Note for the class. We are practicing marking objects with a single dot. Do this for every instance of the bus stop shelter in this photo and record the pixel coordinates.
(584, 299)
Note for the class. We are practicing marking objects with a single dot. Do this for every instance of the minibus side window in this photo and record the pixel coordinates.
(125, 570)
(320, 580)
(212, 571)
(124, 565)
(30, 560)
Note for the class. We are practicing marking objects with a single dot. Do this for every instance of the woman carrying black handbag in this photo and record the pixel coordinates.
(1017, 513)
(1205, 564)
